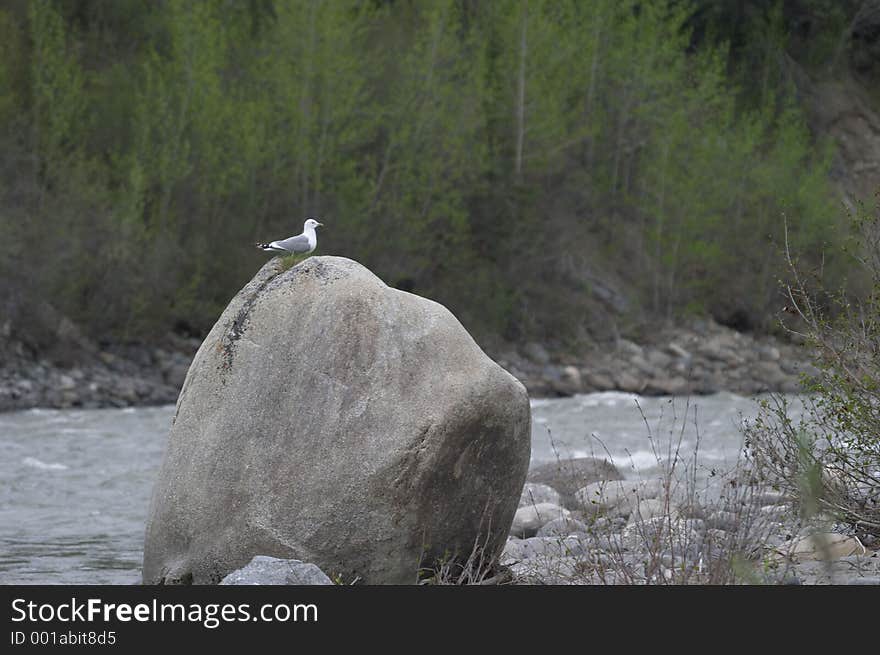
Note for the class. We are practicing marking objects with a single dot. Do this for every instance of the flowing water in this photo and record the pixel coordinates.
(75, 485)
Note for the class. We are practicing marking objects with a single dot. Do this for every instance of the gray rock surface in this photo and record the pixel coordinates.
(562, 527)
(613, 498)
(332, 419)
(569, 475)
(534, 493)
(262, 570)
(531, 518)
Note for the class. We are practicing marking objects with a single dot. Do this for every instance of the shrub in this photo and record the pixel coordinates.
(830, 457)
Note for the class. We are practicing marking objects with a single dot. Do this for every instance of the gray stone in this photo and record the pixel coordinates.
(650, 508)
(695, 526)
(332, 419)
(714, 536)
(561, 527)
(569, 475)
(722, 520)
(659, 359)
(551, 547)
(769, 353)
(690, 508)
(769, 373)
(626, 381)
(658, 531)
(629, 348)
(597, 380)
(536, 352)
(531, 518)
(770, 497)
(570, 381)
(823, 546)
(667, 386)
(677, 351)
(776, 513)
(615, 498)
(176, 374)
(262, 570)
(644, 367)
(534, 493)
(549, 571)
(513, 551)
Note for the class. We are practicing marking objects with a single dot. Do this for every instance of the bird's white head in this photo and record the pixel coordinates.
(311, 224)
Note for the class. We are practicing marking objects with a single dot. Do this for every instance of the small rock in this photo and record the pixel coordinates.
(616, 498)
(513, 551)
(263, 570)
(775, 513)
(534, 493)
(597, 380)
(536, 352)
(551, 547)
(626, 381)
(691, 509)
(721, 520)
(176, 374)
(696, 526)
(667, 386)
(651, 508)
(677, 351)
(769, 353)
(641, 535)
(569, 475)
(555, 571)
(713, 536)
(531, 518)
(659, 359)
(643, 366)
(628, 348)
(823, 546)
(562, 527)
(770, 497)
(571, 379)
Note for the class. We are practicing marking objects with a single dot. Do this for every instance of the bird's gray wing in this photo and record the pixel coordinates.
(294, 244)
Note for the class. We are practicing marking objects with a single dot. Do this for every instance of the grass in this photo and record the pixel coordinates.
(665, 530)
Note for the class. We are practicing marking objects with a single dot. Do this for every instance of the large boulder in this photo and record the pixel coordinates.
(332, 419)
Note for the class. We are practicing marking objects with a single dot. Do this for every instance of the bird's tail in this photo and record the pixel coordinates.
(264, 246)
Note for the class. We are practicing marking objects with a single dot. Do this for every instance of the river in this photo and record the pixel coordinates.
(75, 485)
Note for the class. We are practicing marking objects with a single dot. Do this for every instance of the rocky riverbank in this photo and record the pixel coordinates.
(657, 531)
(616, 531)
(118, 375)
(700, 358)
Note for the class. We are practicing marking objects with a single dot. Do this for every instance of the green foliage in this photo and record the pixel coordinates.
(479, 153)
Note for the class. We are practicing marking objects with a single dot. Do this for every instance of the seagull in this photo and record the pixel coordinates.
(302, 244)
